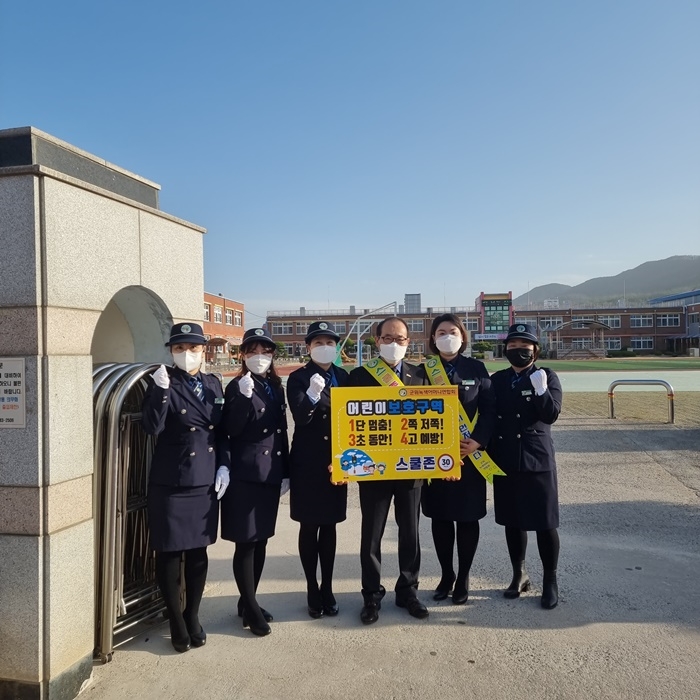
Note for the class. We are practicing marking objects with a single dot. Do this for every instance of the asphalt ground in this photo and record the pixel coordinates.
(627, 626)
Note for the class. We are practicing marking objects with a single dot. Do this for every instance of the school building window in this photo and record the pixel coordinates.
(281, 328)
(581, 343)
(237, 318)
(472, 324)
(302, 328)
(289, 348)
(339, 327)
(415, 325)
(207, 312)
(218, 314)
(612, 321)
(641, 320)
(644, 343)
(526, 320)
(416, 349)
(229, 317)
(613, 343)
(547, 322)
(667, 320)
(576, 321)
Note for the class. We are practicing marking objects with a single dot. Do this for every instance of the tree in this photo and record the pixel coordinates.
(281, 349)
(482, 346)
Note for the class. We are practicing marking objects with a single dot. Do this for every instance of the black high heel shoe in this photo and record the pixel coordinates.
(181, 643)
(268, 616)
(258, 627)
(314, 603)
(330, 606)
(550, 590)
(519, 584)
(444, 588)
(460, 595)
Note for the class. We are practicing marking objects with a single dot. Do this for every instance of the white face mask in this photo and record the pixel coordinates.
(393, 352)
(187, 360)
(449, 344)
(258, 364)
(323, 354)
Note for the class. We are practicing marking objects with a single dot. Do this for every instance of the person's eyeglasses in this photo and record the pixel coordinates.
(399, 339)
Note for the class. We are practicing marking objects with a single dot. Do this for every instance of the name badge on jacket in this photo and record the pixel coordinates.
(526, 392)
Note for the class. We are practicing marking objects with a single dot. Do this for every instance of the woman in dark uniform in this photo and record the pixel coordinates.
(456, 506)
(316, 503)
(183, 407)
(528, 402)
(256, 421)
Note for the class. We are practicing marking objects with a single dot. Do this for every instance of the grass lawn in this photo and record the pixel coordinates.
(629, 364)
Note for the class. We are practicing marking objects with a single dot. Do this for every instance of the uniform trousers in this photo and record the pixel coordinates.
(375, 501)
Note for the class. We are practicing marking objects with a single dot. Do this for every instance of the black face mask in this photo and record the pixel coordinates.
(520, 357)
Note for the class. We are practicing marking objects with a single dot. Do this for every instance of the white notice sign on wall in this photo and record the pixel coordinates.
(12, 393)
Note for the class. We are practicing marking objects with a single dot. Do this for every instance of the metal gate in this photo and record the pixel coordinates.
(126, 592)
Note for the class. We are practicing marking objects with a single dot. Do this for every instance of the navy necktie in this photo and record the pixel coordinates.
(268, 390)
(331, 381)
(197, 387)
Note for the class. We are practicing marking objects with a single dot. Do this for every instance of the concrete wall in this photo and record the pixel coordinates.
(84, 271)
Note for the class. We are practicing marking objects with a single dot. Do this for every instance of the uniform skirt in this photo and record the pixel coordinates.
(249, 511)
(462, 501)
(527, 500)
(182, 517)
(312, 497)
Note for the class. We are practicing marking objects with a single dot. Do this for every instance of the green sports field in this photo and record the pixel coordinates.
(631, 364)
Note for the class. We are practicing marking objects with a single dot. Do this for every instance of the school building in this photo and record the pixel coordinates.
(665, 324)
(224, 321)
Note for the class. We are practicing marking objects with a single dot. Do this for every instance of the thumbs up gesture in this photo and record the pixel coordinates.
(246, 384)
(161, 377)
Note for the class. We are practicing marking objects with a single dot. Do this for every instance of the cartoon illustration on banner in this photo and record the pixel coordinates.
(395, 432)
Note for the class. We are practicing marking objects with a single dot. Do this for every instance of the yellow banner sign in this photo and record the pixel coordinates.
(398, 432)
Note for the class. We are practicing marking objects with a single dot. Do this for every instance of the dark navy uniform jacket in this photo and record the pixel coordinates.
(411, 375)
(522, 439)
(191, 442)
(257, 429)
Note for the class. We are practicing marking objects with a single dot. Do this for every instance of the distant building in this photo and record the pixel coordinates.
(668, 324)
(224, 321)
(411, 304)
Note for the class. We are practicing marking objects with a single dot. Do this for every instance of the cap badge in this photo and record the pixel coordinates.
(259, 331)
(323, 326)
(185, 328)
(520, 329)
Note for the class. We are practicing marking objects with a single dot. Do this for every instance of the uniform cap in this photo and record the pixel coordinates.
(320, 328)
(523, 331)
(187, 333)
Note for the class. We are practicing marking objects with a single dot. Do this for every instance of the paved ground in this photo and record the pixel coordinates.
(628, 625)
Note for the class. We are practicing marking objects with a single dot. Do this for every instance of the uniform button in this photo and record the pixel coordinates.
(264, 430)
(517, 415)
(192, 429)
(165, 400)
(210, 449)
(500, 437)
(325, 437)
(192, 454)
(499, 417)
(184, 410)
(262, 410)
(325, 415)
(211, 427)
(266, 452)
(518, 436)
(278, 453)
(279, 430)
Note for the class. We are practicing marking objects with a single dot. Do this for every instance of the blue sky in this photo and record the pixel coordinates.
(350, 151)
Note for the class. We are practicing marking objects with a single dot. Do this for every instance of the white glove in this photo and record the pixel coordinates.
(246, 384)
(161, 377)
(222, 481)
(316, 387)
(539, 381)
(284, 487)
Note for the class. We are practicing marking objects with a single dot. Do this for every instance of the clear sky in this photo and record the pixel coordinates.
(350, 151)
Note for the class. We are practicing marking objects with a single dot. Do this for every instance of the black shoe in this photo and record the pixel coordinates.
(550, 590)
(414, 607)
(198, 639)
(330, 606)
(314, 602)
(257, 627)
(460, 595)
(268, 617)
(370, 613)
(181, 645)
(519, 584)
(444, 588)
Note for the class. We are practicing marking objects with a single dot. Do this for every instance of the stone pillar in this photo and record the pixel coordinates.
(78, 238)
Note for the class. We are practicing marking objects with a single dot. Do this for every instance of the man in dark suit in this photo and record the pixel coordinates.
(376, 496)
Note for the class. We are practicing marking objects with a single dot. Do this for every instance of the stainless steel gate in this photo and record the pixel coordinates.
(126, 593)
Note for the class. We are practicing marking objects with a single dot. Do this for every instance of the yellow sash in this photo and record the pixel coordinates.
(381, 371)
(480, 459)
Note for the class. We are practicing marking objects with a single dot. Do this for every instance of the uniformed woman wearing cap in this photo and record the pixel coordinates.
(256, 420)
(184, 407)
(316, 503)
(456, 507)
(528, 402)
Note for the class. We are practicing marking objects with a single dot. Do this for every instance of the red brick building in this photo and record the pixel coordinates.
(224, 321)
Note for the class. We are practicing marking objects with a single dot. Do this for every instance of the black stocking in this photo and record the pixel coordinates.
(244, 559)
(308, 553)
(517, 545)
(444, 540)
(548, 546)
(467, 542)
(326, 556)
(168, 578)
(196, 565)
